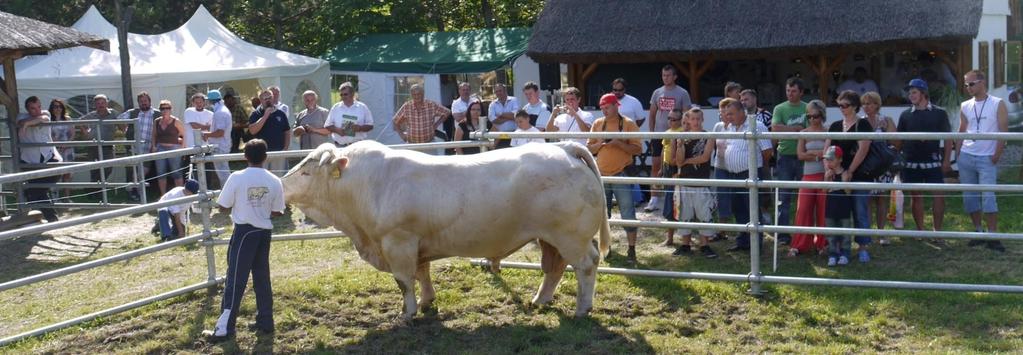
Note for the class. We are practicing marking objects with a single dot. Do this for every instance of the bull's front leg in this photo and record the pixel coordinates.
(401, 255)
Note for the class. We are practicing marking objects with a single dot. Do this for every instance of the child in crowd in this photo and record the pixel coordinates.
(171, 219)
(837, 208)
(669, 170)
(522, 123)
(694, 203)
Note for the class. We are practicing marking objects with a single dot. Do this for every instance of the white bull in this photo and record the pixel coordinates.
(403, 209)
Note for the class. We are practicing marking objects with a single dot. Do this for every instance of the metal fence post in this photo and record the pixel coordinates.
(206, 205)
(754, 207)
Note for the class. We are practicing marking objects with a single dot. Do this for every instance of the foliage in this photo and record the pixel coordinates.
(306, 27)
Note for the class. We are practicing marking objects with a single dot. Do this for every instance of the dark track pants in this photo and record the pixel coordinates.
(249, 250)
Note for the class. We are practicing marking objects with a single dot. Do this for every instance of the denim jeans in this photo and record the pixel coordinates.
(789, 168)
(978, 169)
(861, 214)
(166, 221)
(622, 193)
(740, 201)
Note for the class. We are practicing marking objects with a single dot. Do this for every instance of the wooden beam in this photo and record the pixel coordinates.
(706, 66)
(10, 90)
(682, 69)
(590, 69)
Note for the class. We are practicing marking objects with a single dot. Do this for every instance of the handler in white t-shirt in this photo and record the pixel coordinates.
(349, 121)
(570, 118)
(197, 119)
(252, 196)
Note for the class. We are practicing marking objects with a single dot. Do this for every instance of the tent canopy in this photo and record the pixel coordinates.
(202, 50)
(474, 51)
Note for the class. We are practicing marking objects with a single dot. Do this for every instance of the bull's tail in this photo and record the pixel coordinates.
(580, 152)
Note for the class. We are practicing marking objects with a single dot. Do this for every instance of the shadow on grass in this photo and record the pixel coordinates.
(26, 256)
(672, 294)
(571, 335)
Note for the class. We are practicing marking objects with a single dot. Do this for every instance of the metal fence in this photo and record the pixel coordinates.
(755, 277)
(134, 179)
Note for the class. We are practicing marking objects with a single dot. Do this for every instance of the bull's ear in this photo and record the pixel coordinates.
(339, 166)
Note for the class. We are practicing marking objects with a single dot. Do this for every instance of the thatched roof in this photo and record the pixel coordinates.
(613, 31)
(28, 36)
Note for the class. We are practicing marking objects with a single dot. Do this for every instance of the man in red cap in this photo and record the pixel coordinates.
(613, 155)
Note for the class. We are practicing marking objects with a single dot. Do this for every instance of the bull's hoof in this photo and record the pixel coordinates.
(402, 321)
(427, 307)
(583, 313)
(542, 301)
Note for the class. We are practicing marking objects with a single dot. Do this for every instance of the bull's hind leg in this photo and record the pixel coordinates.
(406, 283)
(553, 266)
(586, 273)
(427, 293)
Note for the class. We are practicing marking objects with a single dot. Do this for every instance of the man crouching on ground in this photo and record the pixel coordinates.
(252, 196)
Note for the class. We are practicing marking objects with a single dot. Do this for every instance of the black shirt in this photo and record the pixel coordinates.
(694, 148)
(849, 146)
(273, 130)
(838, 203)
(932, 119)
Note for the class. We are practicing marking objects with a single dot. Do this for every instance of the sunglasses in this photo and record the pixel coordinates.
(674, 119)
(970, 84)
(346, 94)
(164, 108)
(815, 116)
(844, 105)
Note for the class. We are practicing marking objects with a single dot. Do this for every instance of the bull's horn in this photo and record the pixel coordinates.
(326, 156)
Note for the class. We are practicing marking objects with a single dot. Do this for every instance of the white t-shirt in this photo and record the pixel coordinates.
(252, 194)
(221, 121)
(497, 108)
(459, 106)
(177, 192)
(284, 108)
(515, 142)
(203, 117)
(631, 107)
(859, 88)
(542, 112)
(358, 114)
(566, 123)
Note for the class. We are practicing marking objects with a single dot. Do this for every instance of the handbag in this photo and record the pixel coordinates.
(880, 159)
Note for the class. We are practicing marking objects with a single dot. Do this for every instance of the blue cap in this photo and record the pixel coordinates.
(192, 186)
(916, 83)
(213, 95)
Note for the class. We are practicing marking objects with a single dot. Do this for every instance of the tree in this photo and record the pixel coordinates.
(124, 13)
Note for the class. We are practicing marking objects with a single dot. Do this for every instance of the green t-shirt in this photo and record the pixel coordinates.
(787, 114)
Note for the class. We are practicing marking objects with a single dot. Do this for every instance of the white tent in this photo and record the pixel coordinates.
(201, 54)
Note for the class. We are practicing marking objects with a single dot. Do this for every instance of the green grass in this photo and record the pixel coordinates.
(327, 300)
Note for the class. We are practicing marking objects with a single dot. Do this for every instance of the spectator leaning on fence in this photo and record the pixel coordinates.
(141, 131)
(310, 122)
(350, 120)
(219, 133)
(105, 133)
(168, 134)
(613, 155)
(736, 163)
(271, 125)
(926, 160)
(418, 118)
(63, 133)
(856, 152)
(522, 125)
(31, 129)
(470, 124)
(978, 158)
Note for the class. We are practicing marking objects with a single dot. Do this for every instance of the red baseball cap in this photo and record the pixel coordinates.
(608, 99)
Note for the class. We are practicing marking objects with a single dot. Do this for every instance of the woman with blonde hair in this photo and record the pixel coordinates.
(871, 102)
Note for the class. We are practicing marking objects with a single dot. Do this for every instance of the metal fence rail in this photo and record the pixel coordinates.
(755, 278)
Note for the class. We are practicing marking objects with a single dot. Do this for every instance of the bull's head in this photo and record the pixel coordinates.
(306, 182)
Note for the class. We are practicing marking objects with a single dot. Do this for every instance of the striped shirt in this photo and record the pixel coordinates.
(736, 155)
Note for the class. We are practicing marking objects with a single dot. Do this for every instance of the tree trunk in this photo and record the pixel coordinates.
(488, 13)
(124, 14)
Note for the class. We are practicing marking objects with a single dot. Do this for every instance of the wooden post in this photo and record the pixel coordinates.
(584, 77)
(693, 71)
(10, 99)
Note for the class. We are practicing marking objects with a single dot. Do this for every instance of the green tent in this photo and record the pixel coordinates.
(474, 51)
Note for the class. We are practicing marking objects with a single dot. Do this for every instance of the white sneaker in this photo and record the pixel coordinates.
(831, 261)
(842, 260)
(220, 329)
(655, 204)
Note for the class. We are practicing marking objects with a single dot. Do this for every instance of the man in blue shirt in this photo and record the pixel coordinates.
(271, 125)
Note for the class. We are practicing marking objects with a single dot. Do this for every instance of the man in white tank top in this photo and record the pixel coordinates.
(978, 159)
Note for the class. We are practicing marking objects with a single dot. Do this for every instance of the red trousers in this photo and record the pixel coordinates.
(810, 213)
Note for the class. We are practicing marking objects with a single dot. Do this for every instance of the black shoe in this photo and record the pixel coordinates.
(996, 246)
(155, 230)
(976, 242)
(683, 250)
(631, 255)
(737, 248)
(707, 252)
(134, 196)
(256, 328)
